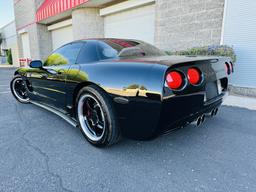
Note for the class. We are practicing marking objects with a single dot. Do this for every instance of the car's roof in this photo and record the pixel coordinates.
(106, 39)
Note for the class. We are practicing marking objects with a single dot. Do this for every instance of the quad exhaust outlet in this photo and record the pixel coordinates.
(213, 112)
(201, 119)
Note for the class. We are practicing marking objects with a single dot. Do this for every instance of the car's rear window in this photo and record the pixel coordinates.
(126, 48)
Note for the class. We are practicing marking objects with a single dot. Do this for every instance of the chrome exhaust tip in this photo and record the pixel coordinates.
(202, 119)
(216, 111)
(197, 122)
(212, 112)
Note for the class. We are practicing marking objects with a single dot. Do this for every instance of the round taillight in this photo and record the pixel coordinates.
(228, 69)
(231, 67)
(194, 76)
(174, 80)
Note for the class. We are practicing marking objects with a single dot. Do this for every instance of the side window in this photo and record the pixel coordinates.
(64, 55)
(88, 53)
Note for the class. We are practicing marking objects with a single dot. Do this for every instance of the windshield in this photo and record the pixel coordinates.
(130, 48)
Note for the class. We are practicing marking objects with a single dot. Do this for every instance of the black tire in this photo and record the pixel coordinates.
(22, 99)
(111, 133)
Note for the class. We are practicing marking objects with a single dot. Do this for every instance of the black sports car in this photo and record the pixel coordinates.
(114, 87)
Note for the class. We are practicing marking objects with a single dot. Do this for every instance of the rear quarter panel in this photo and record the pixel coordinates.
(140, 83)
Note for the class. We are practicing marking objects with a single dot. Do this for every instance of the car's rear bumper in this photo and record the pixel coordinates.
(145, 119)
(182, 110)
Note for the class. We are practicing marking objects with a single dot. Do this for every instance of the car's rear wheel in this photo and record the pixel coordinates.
(96, 117)
(18, 89)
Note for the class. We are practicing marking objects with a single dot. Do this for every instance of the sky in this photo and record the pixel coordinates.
(6, 12)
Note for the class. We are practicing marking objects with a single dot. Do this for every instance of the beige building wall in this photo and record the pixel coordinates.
(182, 24)
(10, 41)
(38, 35)
(87, 23)
(178, 24)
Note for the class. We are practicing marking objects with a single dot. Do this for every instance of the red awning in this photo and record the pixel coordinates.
(53, 7)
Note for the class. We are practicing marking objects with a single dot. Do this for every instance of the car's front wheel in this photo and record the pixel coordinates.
(96, 117)
(18, 89)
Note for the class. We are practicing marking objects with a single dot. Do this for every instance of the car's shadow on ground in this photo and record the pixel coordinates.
(213, 133)
(184, 137)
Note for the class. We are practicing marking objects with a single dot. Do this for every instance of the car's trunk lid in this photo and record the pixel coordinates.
(170, 60)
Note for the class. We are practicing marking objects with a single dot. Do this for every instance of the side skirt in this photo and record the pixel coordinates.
(56, 112)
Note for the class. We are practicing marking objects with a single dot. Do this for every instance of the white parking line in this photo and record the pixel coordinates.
(4, 85)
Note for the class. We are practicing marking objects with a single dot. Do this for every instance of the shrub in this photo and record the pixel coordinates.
(9, 56)
(217, 50)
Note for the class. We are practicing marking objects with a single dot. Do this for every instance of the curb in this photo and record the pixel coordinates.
(7, 66)
(242, 91)
(240, 101)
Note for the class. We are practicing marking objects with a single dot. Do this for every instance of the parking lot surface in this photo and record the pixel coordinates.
(41, 152)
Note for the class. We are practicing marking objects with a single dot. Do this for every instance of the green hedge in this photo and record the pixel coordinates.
(9, 56)
(216, 50)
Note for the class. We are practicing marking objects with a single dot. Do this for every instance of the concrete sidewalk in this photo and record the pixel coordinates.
(7, 66)
(240, 101)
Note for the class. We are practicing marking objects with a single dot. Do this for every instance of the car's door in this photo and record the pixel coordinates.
(49, 83)
(78, 72)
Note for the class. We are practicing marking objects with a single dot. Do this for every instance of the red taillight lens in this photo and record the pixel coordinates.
(231, 67)
(174, 80)
(194, 76)
(228, 69)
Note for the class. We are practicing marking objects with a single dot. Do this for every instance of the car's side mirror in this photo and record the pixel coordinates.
(36, 64)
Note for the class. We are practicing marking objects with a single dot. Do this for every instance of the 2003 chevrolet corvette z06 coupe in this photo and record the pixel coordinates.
(114, 87)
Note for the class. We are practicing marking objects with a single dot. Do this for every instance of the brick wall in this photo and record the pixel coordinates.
(182, 24)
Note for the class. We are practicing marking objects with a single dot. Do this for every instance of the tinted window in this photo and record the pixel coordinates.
(88, 53)
(64, 55)
(133, 48)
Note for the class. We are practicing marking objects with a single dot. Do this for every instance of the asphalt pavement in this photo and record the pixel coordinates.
(41, 152)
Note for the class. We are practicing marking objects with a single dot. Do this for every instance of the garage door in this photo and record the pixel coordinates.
(61, 36)
(240, 31)
(137, 23)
